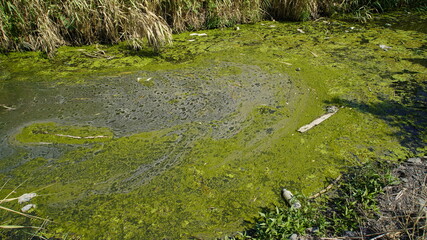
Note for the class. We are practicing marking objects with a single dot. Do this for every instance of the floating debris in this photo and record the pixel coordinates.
(7, 108)
(27, 207)
(331, 111)
(290, 199)
(237, 28)
(198, 34)
(314, 54)
(300, 30)
(142, 79)
(384, 47)
(26, 197)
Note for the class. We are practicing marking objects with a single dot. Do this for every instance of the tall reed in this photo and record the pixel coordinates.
(46, 25)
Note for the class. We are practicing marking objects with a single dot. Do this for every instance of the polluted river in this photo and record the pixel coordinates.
(192, 142)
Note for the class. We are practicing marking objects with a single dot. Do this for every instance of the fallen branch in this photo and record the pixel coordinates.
(331, 111)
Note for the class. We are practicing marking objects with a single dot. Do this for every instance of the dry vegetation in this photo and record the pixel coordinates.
(45, 25)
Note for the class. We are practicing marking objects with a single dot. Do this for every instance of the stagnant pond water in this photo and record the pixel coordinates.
(193, 142)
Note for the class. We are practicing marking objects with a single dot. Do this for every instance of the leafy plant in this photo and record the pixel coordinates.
(353, 199)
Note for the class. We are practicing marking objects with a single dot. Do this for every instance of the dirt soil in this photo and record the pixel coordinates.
(403, 208)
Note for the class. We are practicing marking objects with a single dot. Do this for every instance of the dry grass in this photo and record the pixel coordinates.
(23, 199)
(40, 25)
(404, 205)
(46, 25)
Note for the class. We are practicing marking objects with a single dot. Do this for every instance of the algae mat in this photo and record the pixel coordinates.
(193, 142)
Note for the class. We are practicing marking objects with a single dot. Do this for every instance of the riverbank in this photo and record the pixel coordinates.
(372, 201)
(45, 26)
(202, 135)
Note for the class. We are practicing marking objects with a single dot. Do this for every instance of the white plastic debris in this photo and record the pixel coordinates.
(26, 197)
(384, 47)
(300, 30)
(352, 28)
(291, 199)
(27, 207)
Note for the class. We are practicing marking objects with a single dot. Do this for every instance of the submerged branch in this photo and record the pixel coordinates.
(70, 136)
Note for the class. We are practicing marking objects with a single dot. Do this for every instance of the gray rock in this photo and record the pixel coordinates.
(293, 237)
(415, 160)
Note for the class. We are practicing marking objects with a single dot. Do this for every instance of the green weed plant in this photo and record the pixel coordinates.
(353, 200)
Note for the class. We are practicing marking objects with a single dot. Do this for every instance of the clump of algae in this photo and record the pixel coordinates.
(50, 132)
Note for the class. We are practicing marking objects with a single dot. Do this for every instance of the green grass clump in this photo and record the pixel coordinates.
(355, 199)
(281, 223)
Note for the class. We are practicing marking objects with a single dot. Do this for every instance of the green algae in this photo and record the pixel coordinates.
(204, 178)
(42, 133)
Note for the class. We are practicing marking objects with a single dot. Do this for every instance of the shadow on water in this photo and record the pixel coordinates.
(408, 115)
(420, 61)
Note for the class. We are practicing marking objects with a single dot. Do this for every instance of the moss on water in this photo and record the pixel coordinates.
(203, 177)
(46, 133)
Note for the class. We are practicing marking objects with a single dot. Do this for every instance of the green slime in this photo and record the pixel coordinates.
(189, 181)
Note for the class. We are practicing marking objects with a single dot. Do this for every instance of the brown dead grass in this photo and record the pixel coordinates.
(403, 207)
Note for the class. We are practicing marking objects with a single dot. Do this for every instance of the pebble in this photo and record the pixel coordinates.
(27, 207)
(384, 47)
(293, 237)
(415, 160)
(26, 197)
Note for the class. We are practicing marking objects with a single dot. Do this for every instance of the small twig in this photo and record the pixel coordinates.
(326, 189)
(70, 136)
(23, 214)
(79, 137)
(16, 226)
(7, 196)
(379, 236)
(4, 184)
(8, 200)
(7, 107)
(314, 54)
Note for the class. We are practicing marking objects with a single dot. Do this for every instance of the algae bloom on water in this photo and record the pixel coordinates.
(206, 134)
(50, 132)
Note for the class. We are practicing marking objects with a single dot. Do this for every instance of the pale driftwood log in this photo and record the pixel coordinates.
(331, 111)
